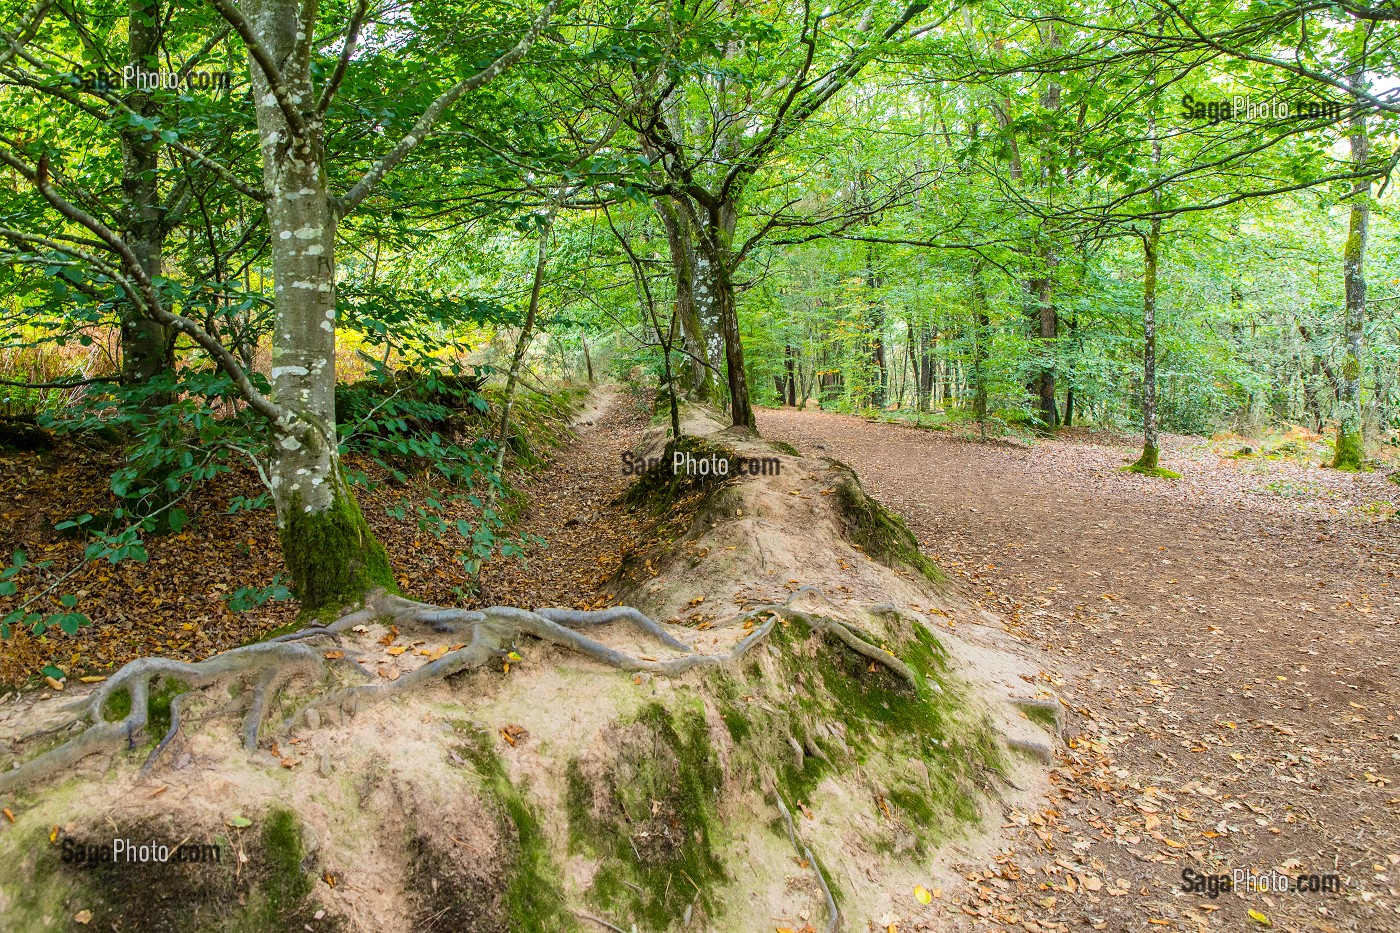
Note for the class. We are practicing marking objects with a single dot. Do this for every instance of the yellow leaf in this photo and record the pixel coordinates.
(83, 917)
(396, 650)
(1259, 918)
(921, 894)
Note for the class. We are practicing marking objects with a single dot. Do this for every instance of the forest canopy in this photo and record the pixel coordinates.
(271, 234)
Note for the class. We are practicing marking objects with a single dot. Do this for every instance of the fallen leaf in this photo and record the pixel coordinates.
(1259, 918)
(83, 916)
(921, 894)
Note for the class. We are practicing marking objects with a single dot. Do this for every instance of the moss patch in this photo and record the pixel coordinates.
(1348, 452)
(877, 531)
(918, 746)
(333, 557)
(661, 488)
(647, 813)
(1159, 472)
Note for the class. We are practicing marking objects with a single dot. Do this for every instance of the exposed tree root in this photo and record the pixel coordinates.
(833, 913)
(488, 635)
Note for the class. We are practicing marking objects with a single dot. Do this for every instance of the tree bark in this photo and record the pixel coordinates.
(694, 371)
(1150, 446)
(330, 552)
(148, 347)
(1349, 451)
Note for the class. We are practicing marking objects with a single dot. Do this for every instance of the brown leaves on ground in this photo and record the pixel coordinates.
(176, 604)
(1225, 643)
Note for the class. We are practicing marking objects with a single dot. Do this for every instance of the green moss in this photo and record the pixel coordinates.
(117, 706)
(158, 705)
(287, 884)
(649, 818)
(1348, 451)
(661, 488)
(879, 532)
(333, 557)
(785, 447)
(1146, 465)
(1042, 716)
(885, 722)
(528, 887)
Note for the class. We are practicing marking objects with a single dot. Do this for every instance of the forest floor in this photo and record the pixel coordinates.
(1227, 643)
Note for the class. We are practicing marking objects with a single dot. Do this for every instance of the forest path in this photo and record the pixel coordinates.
(570, 506)
(1228, 645)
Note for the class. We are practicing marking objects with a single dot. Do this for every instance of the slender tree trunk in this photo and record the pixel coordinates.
(522, 344)
(148, 347)
(1349, 451)
(1150, 447)
(587, 360)
(329, 550)
(720, 259)
(979, 355)
(790, 362)
(695, 375)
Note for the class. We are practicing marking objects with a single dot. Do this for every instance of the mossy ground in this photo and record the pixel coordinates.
(879, 532)
(268, 893)
(648, 813)
(529, 887)
(1159, 472)
(847, 712)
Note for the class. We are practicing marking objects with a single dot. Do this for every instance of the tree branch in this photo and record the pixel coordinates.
(424, 126)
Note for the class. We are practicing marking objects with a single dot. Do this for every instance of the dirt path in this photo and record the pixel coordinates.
(1230, 655)
(580, 536)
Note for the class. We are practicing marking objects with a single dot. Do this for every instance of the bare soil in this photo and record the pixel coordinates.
(1227, 643)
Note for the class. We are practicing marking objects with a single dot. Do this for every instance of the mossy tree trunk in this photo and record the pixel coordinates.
(1349, 452)
(330, 552)
(1150, 445)
(1147, 463)
(694, 371)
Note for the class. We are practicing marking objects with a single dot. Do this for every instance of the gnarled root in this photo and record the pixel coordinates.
(488, 635)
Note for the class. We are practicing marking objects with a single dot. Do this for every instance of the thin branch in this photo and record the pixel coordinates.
(260, 54)
(424, 126)
(352, 36)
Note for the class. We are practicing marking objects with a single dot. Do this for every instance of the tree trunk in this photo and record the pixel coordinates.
(587, 360)
(148, 347)
(790, 361)
(1349, 452)
(719, 261)
(695, 375)
(1148, 460)
(979, 355)
(330, 552)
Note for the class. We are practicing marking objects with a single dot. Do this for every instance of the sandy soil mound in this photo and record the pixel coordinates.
(872, 730)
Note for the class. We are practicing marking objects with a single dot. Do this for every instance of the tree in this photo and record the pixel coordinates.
(329, 550)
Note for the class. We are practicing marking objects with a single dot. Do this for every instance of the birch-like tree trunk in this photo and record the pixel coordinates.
(1349, 452)
(329, 550)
